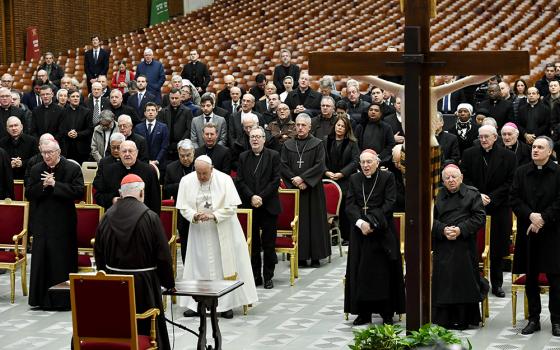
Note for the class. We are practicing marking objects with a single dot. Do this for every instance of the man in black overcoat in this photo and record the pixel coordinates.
(490, 168)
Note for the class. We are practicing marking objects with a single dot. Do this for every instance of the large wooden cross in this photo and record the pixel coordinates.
(417, 64)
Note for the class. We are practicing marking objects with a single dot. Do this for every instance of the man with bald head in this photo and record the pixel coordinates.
(7, 81)
(118, 107)
(458, 215)
(107, 181)
(304, 99)
(533, 117)
(233, 105)
(19, 146)
(225, 94)
(490, 168)
(7, 110)
(217, 249)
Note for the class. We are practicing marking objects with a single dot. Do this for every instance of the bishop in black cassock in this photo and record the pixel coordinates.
(303, 166)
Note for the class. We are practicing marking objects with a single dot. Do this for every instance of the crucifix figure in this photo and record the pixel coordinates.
(417, 63)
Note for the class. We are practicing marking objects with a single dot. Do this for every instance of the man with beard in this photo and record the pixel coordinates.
(286, 68)
(303, 166)
(54, 185)
(374, 277)
(490, 168)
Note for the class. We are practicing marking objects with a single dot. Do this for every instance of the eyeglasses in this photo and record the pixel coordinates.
(484, 137)
(256, 137)
(48, 153)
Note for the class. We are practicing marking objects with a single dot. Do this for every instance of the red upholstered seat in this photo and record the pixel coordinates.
(84, 260)
(332, 197)
(88, 220)
(168, 202)
(543, 281)
(143, 343)
(18, 190)
(168, 217)
(243, 220)
(480, 241)
(287, 215)
(284, 242)
(11, 223)
(9, 257)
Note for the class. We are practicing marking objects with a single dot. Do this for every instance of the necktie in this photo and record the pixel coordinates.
(150, 125)
(140, 95)
(446, 104)
(235, 106)
(207, 119)
(96, 112)
(38, 100)
(95, 54)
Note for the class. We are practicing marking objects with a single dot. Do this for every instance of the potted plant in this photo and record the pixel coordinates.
(392, 337)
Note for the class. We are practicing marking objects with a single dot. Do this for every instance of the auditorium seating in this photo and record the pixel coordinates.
(245, 39)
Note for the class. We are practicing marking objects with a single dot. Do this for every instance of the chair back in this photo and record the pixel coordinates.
(483, 238)
(89, 216)
(168, 217)
(19, 190)
(333, 196)
(245, 217)
(288, 219)
(85, 195)
(14, 216)
(89, 169)
(105, 298)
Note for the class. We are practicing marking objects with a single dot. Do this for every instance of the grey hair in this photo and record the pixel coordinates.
(352, 82)
(185, 144)
(305, 117)
(106, 115)
(439, 116)
(490, 121)
(327, 81)
(548, 141)
(490, 128)
(60, 91)
(125, 118)
(249, 117)
(117, 136)
(263, 133)
(131, 189)
(328, 98)
(148, 51)
(97, 84)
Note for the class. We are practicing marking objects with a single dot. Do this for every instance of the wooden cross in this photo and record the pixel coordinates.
(417, 64)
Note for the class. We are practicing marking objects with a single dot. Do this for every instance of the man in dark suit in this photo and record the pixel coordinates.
(138, 101)
(178, 119)
(156, 134)
(304, 99)
(96, 102)
(533, 117)
(490, 168)
(449, 103)
(76, 129)
(224, 95)
(235, 127)
(447, 143)
(118, 108)
(32, 99)
(196, 72)
(96, 61)
(286, 68)
(208, 116)
(220, 155)
(47, 117)
(395, 121)
(258, 179)
(125, 127)
(234, 104)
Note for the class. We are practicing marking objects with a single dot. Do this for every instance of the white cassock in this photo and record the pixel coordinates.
(216, 250)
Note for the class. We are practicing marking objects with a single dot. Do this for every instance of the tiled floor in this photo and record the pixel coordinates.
(306, 316)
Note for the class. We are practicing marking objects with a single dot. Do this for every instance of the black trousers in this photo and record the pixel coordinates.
(266, 223)
(183, 227)
(534, 298)
(496, 271)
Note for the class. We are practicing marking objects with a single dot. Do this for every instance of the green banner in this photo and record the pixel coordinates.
(159, 12)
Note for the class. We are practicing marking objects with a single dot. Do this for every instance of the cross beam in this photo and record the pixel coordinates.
(417, 64)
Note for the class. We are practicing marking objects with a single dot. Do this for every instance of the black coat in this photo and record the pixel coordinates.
(78, 119)
(537, 191)
(522, 153)
(263, 182)
(180, 130)
(93, 68)
(501, 110)
(123, 109)
(220, 155)
(449, 148)
(311, 100)
(108, 181)
(395, 124)
(142, 146)
(55, 74)
(24, 147)
(383, 145)
(533, 120)
(173, 175)
(495, 181)
(280, 72)
(6, 177)
(235, 128)
(6, 113)
(197, 73)
(47, 119)
(344, 159)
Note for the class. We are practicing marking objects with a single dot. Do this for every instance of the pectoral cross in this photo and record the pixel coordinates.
(207, 205)
(300, 162)
(365, 208)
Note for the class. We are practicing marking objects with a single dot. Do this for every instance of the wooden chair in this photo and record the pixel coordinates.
(483, 250)
(13, 241)
(288, 227)
(518, 285)
(398, 220)
(168, 217)
(333, 198)
(245, 217)
(89, 169)
(104, 313)
(89, 216)
(19, 190)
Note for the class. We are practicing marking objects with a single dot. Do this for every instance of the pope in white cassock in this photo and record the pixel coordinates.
(217, 249)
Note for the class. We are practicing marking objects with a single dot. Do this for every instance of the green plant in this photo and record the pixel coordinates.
(392, 337)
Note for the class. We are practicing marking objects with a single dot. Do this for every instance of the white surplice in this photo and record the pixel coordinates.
(215, 249)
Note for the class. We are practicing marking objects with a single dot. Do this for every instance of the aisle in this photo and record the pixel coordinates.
(306, 316)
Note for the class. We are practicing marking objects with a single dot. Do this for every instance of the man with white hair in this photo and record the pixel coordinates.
(465, 127)
(510, 138)
(154, 72)
(130, 240)
(53, 187)
(490, 168)
(107, 181)
(7, 81)
(19, 146)
(303, 166)
(124, 122)
(217, 249)
(96, 61)
(96, 102)
(114, 156)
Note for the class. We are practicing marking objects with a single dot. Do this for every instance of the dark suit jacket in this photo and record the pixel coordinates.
(25, 148)
(225, 96)
(180, 130)
(30, 100)
(104, 103)
(501, 110)
(280, 74)
(123, 109)
(264, 185)
(133, 102)
(235, 128)
(311, 102)
(260, 106)
(220, 155)
(173, 175)
(92, 68)
(197, 73)
(457, 97)
(157, 141)
(449, 146)
(395, 124)
(228, 106)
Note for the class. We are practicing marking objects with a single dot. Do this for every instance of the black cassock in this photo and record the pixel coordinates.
(130, 236)
(455, 278)
(374, 276)
(53, 223)
(314, 240)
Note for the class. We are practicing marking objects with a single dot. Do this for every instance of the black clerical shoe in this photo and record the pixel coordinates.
(556, 329)
(258, 281)
(302, 263)
(532, 327)
(362, 319)
(227, 314)
(268, 284)
(190, 313)
(315, 263)
(499, 292)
